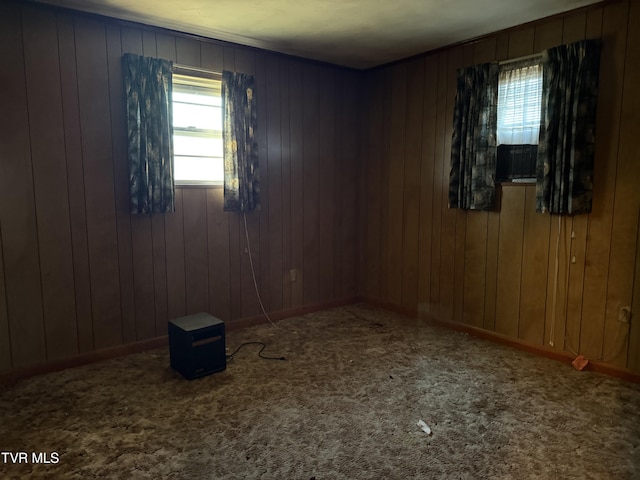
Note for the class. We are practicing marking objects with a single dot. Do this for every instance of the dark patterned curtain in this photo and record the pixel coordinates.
(473, 146)
(147, 83)
(241, 180)
(567, 135)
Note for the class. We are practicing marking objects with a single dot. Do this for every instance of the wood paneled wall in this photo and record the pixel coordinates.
(78, 273)
(497, 270)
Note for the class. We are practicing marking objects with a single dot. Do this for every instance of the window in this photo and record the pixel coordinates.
(197, 130)
(519, 107)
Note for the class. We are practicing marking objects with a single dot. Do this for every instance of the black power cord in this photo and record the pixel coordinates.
(230, 356)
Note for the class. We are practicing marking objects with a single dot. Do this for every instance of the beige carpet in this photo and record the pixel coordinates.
(344, 405)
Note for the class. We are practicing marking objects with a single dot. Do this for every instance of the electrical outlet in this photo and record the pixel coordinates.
(624, 315)
(293, 273)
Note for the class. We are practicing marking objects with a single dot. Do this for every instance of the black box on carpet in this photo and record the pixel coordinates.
(197, 345)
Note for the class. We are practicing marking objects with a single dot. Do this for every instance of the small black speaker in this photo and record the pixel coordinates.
(197, 345)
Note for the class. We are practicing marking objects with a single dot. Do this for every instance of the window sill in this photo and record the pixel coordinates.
(517, 182)
(200, 185)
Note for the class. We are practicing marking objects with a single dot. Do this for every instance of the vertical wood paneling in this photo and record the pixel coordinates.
(135, 235)
(194, 215)
(491, 274)
(547, 35)
(633, 354)
(373, 174)
(217, 221)
(144, 285)
(485, 50)
(606, 154)
(475, 256)
(535, 260)
(50, 182)
(448, 224)
(154, 47)
(285, 169)
(167, 238)
(475, 250)
(5, 334)
(327, 147)
(166, 46)
(245, 63)
(133, 305)
(149, 47)
(218, 249)
(159, 273)
(211, 56)
(463, 220)
(350, 191)
(521, 42)
(187, 52)
(626, 205)
(493, 225)
(129, 274)
(396, 181)
(157, 288)
(75, 182)
(339, 185)
(274, 154)
(95, 114)
(632, 75)
(535, 248)
(427, 151)
(508, 289)
(384, 184)
(194, 211)
(412, 177)
(17, 208)
(574, 29)
(264, 284)
(461, 57)
(462, 234)
(438, 186)
(116, 278)
(497, 269)
(310, 174)
(176, 276)
(360, 175)
(573, 245)
(297, 180)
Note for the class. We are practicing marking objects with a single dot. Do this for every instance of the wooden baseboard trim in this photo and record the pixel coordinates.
(83, 359)
(391, 307)
(13, 376)
(560, 356)
(159, 342)
(282, 314)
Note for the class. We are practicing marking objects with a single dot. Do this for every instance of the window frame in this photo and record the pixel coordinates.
(505, 151)
(191, 76)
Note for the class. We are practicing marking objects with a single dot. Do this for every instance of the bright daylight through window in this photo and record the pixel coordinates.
(519, 107)
(519, 102)
(197, 130)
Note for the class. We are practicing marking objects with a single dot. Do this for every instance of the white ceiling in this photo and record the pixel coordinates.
(353, 33)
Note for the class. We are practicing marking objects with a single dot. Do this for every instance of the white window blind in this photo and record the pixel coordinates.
(519, 103)
(197, 130)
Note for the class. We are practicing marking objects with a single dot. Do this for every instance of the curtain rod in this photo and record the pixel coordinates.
(519, 59)
(177, 66)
